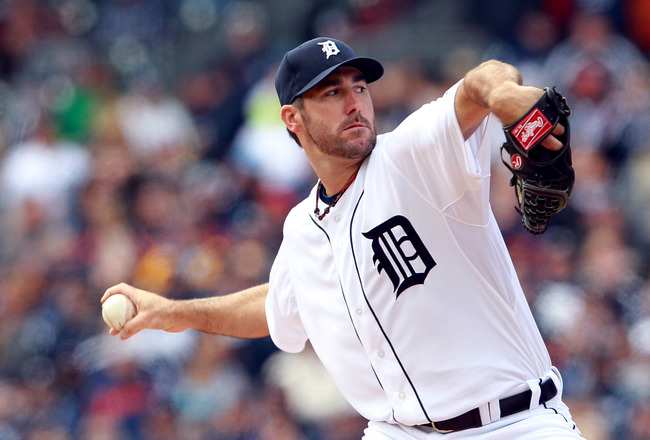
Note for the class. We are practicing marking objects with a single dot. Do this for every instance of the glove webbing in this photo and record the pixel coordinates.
(537, 205)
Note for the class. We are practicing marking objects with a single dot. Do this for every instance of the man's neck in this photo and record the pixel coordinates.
(335, 181)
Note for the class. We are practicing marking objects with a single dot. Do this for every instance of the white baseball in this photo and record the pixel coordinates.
(117, 310)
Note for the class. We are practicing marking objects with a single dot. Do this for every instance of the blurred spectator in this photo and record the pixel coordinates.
(157, 126)
(312, 397)
(120, 394)
(535, 34)
(637, 19)
(635, 195)
(106, 246)
(406, 85)
(134, 35)
(215, 102)
(605, 77)
(40, 179)
(285, 172)
(592, 37)
(83, 95)
(212, 385)
(44, 169)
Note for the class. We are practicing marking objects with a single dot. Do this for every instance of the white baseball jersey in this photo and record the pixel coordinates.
(406, 289)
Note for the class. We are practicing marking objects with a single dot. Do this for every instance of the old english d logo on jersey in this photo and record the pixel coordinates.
(400, 253)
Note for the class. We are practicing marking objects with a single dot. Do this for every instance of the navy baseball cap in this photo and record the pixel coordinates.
(306, 65)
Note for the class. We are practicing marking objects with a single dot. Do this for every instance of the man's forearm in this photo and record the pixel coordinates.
(497, 87)
(494, 87)
(486, 88)
(240, 314)
(487, 79)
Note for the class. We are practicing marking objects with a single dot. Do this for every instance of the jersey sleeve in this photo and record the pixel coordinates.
(285, 327)
(429, 149)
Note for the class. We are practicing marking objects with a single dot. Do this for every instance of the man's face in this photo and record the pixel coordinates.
(338, 116)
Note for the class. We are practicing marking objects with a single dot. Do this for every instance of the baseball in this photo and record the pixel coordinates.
(117, 310)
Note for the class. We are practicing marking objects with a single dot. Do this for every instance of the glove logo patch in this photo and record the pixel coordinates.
(531, 129)
(516, 161)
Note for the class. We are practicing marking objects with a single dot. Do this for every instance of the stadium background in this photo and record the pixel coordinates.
(139, 142)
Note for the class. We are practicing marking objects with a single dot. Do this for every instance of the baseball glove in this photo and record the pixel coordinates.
(543, 179)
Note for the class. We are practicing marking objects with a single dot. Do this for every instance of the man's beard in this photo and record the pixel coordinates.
(337, 146)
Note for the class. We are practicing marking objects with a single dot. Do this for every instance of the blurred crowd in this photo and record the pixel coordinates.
(140, 141)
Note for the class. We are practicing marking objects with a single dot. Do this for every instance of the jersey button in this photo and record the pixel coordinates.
(381, 354)
(402, 396)
(337, 218)
(359, 311)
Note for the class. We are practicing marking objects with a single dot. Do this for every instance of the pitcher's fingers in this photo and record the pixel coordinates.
(133, 326)
(118, 288)
(558, 130)
(552, 143)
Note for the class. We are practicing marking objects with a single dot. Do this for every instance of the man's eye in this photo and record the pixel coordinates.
(361, 89)
(332, 92)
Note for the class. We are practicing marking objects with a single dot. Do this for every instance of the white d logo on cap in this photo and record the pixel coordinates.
(329, 47)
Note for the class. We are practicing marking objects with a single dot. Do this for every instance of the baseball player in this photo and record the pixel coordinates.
(394, 267)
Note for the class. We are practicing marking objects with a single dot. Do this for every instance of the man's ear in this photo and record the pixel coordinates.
(291, 118)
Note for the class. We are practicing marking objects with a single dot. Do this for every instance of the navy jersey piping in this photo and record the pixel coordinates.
(363, 291)
(345, 300)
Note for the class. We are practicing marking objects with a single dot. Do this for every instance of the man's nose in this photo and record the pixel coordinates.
(352, 103)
